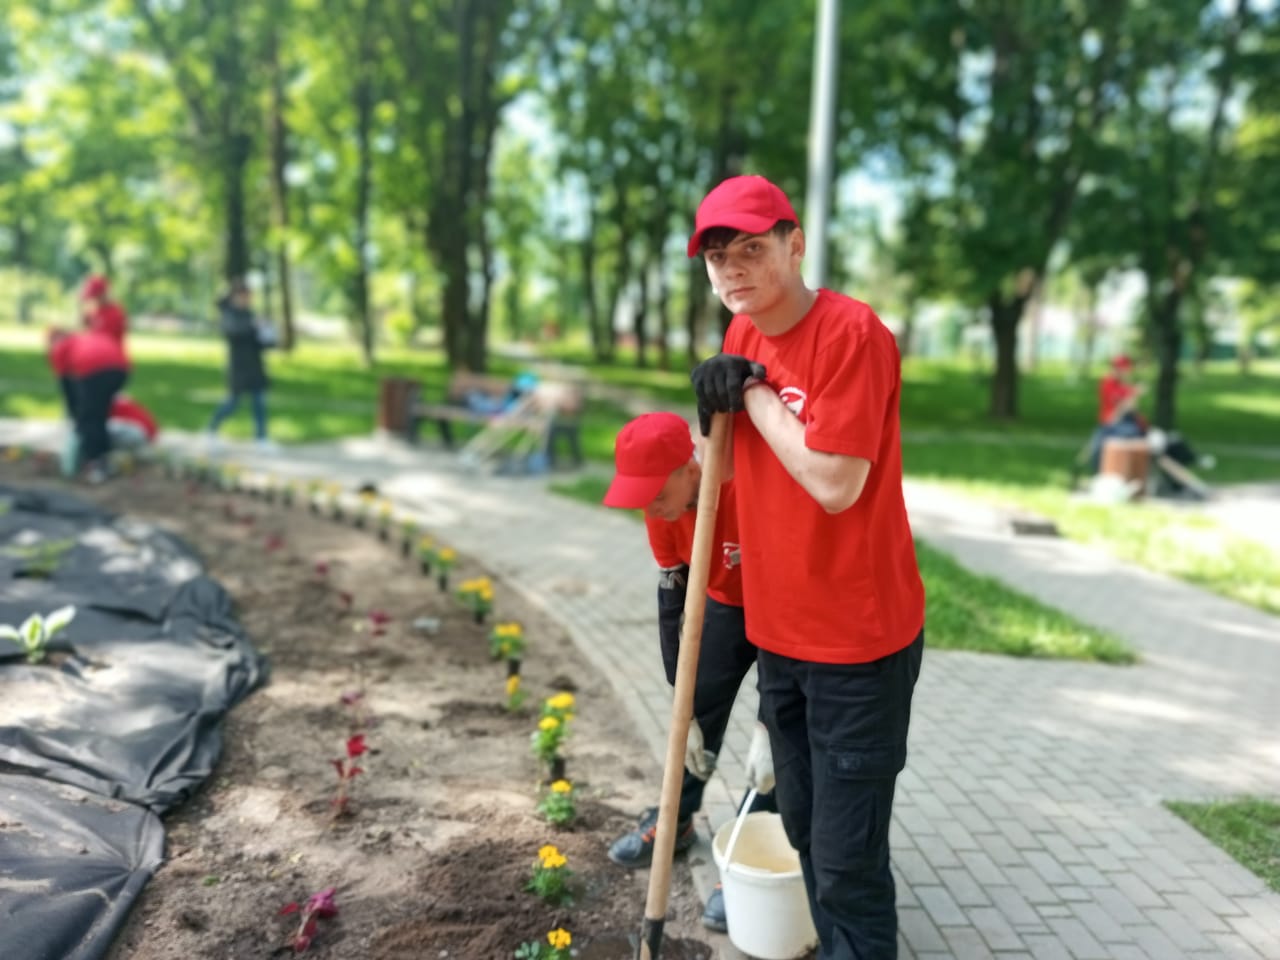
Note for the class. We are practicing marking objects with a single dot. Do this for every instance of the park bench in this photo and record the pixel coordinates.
(547, 417)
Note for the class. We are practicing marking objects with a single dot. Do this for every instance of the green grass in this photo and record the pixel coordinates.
(965, 611)
(323, 392)
(1247, 828)
(1164, 538)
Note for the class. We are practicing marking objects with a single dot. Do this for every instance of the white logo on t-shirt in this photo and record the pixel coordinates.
(793, 398)
(731, 553)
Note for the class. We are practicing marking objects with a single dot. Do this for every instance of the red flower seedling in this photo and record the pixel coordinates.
(274, 543)
(318, 905)
(378, 620)
(345, 598)
(347, 771)
(321, 570)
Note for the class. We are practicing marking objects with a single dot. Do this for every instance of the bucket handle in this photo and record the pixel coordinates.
(737, 827)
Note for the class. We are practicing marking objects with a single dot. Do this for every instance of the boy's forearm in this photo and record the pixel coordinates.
(833, 480)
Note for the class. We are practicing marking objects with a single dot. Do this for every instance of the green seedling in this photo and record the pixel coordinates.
(36, 631)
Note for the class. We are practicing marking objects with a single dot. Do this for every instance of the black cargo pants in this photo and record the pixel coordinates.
(839, 739)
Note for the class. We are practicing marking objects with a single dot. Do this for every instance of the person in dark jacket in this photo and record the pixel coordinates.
(246, 372)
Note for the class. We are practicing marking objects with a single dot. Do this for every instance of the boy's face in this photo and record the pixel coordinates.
(676, 496)
(753, 272)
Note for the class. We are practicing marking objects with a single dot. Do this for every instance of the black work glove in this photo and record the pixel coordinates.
(718, 383)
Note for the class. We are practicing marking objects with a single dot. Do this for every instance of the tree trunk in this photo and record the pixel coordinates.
(664, 318)
(363, 101)
(1167, 336)
(1005, 315)
(591, 302)
(906, 338)
(641, 319)
(280, 193)
(20, 243)
(1090, 340)
(236, 264)
(694, 310)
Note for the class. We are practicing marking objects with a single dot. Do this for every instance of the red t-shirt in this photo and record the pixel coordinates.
(672, 544)
(126, 408)
(81, 354)
(110, 319)
(828, 588)
(1111, 393)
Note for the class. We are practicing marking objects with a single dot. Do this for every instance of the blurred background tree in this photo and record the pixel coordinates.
(444, 173)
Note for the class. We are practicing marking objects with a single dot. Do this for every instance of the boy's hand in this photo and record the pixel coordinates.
(718, 383)
(760, 761)
(698, 760)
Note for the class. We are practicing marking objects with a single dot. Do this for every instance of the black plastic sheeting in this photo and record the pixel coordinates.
(71, 865)
(129, 706)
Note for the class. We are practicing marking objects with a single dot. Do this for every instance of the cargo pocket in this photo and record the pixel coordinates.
(858, 799)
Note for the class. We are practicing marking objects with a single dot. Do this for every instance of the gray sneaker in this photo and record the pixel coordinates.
(713, 916)
(634, 850)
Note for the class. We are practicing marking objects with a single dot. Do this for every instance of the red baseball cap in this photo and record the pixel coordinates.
(751, 204)
(1122, 362)
(95, 286)
(647, 451)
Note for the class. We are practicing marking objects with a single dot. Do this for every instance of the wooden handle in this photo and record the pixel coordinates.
(695, 605)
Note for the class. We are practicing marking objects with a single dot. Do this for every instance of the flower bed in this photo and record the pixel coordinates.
(432, 851)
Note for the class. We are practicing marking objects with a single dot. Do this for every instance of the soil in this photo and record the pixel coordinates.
(441, 832)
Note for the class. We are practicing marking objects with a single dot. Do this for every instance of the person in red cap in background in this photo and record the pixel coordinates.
(832, 592)
(92, 368)
(658, 471)
(100, 313)
(1118, 416)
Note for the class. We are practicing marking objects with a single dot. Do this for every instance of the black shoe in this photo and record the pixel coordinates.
(634, 850)
(713, 917)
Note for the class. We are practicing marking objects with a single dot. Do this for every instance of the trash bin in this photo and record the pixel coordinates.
(396, 397)
(1129, 459)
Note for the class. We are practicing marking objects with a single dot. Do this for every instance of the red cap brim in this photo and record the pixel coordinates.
(633, 493)
(746, 222)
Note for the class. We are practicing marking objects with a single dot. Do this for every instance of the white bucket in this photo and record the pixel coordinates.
(765, 902)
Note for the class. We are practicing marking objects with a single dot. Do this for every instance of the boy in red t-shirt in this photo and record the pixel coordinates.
(833, 595)
(657, 471)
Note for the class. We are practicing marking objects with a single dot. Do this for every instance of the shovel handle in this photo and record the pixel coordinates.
(695, 604)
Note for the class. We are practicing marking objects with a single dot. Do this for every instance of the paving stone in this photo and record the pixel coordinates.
(942, 907)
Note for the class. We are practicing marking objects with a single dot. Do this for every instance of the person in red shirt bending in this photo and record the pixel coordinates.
(832, 592)
(658, 471)
(92, 368)
(100, 313)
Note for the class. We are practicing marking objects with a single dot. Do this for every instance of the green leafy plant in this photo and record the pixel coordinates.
(444, 559)
(40, 560)
(477, 596)
(548, 738)
(408, 536)
(515, 696)
(557, 804)
(36, 631)
(506, 641)
(551, 875)
(556, 947)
